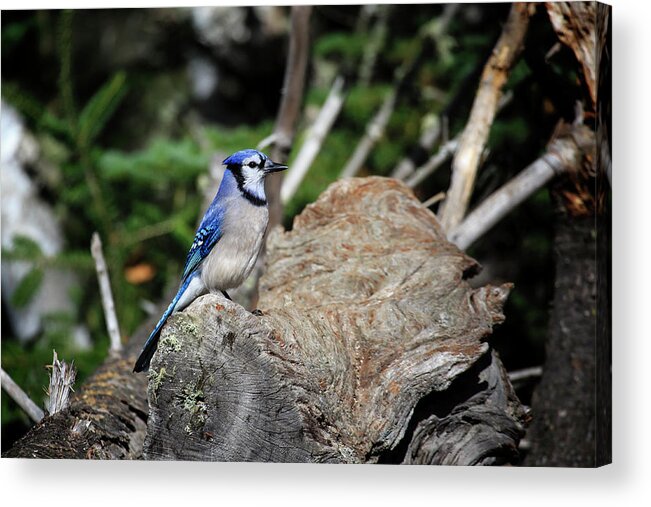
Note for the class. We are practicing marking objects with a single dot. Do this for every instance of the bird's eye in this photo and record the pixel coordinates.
(252, 164)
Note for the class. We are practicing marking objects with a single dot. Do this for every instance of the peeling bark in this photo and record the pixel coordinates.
(576, 25)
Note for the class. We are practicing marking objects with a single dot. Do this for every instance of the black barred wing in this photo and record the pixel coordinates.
(205, 239)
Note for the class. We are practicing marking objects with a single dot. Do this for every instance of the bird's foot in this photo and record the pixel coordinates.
(257, 313)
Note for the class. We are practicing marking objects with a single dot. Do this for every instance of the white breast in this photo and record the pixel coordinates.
(233, 257)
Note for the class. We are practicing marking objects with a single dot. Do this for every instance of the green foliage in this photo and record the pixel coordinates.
(361, 104)
(509, 132)
(339, 45)
(27, 288)
(161, 161)
(23, 248)
(100, 108)
(13, 33)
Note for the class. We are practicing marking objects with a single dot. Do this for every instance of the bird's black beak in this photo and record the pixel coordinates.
(272, 167)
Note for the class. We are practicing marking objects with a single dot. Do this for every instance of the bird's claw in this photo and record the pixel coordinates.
(257, 313)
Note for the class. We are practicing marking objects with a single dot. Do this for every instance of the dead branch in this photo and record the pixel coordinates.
(564, 154)
(62, 378)
(315, 137)
(112, 326)
(432, 128)
(374, 132)
(445, 152)
(290, 105)
(525, 374)
(20, 397)
(377, 39)
(475, 135)
(435, 161)
(434, 199)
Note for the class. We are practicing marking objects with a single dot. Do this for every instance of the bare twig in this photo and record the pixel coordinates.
(107, 296)
(374, 131)
(564, 153)
(20, 397)
(267, 141)
(290, 105)
(432, 125)
(62, 378)
(525, 374)
(317, 134)
(377, 40)
(434, 199)
(445, 152)
(475, 135)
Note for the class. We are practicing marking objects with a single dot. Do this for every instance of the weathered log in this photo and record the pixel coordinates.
(479, 431)
(369, 330)
(106, 417)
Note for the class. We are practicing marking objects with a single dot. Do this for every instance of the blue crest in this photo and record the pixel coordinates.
(240, 156)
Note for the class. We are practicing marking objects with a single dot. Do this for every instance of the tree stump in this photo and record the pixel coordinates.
(372, 347)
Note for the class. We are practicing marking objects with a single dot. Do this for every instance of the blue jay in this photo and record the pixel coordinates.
(228, 240)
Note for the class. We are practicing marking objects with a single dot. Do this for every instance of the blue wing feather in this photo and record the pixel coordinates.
(204, 240)
(206, 237)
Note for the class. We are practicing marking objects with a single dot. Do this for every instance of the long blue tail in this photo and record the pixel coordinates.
(142, 364)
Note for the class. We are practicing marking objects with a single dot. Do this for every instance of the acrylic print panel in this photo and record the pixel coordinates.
(434, 283)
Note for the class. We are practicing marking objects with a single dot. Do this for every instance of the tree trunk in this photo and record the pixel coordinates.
(563, 428)
(372, 348)
(572, 406)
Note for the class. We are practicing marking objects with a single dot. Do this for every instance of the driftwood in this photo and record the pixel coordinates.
(372, 347)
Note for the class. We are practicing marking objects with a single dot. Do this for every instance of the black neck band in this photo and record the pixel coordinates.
(239, 178)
